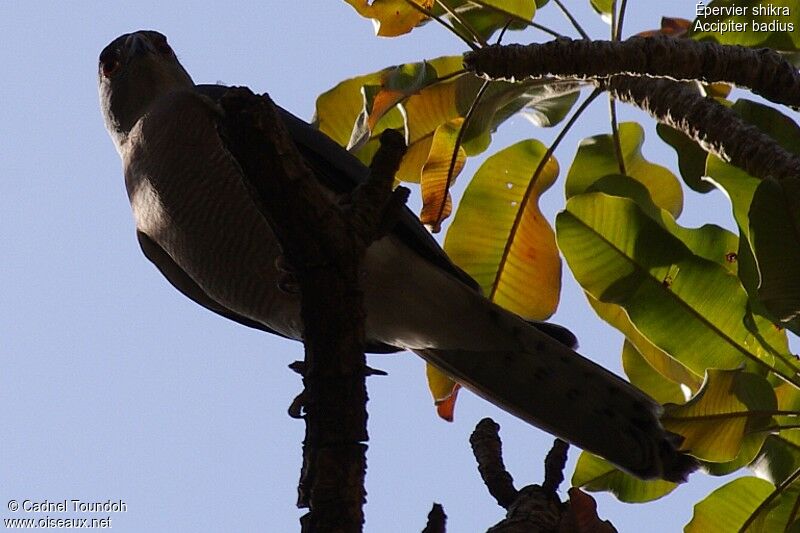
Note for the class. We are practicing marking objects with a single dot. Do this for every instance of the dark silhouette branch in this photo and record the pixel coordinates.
(324, 243)
(764, 71)
(554, 464)
(437, 520)
(533, 509)
(488, 451)
(718, 129)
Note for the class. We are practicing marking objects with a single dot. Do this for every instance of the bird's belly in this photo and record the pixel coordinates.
(215, 234)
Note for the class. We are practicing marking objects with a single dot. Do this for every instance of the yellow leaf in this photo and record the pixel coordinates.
(444, 391)
(730, 405)
(391, 17)
(436, 201)
(500, 237)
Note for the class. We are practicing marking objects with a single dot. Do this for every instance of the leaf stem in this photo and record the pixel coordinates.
(459, 138)
(517, 18)
(571, 19)
(461, 20)
(440, 20)
(612, 108)
(620, 20)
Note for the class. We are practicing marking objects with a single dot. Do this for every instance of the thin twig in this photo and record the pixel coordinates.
(459, 138)
(613, 18)
(517, 18)
(440, 20)
(612, 107)
(620, 20)
(461, 20)
(571, 19)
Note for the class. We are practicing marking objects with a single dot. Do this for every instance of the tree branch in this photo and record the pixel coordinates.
(324, 243)
(719, 130)
(763, 71)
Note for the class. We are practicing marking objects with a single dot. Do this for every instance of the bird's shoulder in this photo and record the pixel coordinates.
(169, 136)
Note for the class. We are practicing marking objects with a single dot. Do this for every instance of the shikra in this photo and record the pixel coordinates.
(196, 221)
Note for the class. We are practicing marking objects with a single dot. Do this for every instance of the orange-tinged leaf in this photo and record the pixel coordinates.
(391, 17)
(446, 408)
(384, 100)
(402, 81)
(672, 26)
(436, 201)
(432, 107)
(583, 511)
(338, 108)
(500, 237)
(444, 391)
(410, 170)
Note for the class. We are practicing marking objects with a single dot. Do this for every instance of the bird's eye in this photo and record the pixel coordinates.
(109, 64)
(162, 45)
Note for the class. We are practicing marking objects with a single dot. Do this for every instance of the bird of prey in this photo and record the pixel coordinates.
(196, 221)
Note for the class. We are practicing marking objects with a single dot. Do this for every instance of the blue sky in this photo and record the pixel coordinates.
(114, 386)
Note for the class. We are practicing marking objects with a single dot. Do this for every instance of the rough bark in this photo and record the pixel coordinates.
(324, 242)
(764, 71)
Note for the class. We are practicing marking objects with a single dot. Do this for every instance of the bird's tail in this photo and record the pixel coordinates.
(546, 383)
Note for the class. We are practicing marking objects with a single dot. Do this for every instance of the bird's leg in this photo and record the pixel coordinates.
(287, 280)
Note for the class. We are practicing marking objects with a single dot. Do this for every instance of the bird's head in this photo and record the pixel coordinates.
(134, 71)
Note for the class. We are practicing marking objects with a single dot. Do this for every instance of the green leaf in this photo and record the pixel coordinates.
(668, 367)
(500, 237)
(775, 238)
(485, 17)
(338, 108)
(731, 405)
(603, 8)
(751, 448)
(595, 474)
(779, 457)
(596, 158)
(709, 241)
(766, 212)
(646, 378)
(546, 108)
(754, 23)
(691, 308)
(691, 157)
(727, 508)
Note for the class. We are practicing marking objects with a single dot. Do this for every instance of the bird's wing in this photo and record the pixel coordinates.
(189, 288)
(341, 172)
